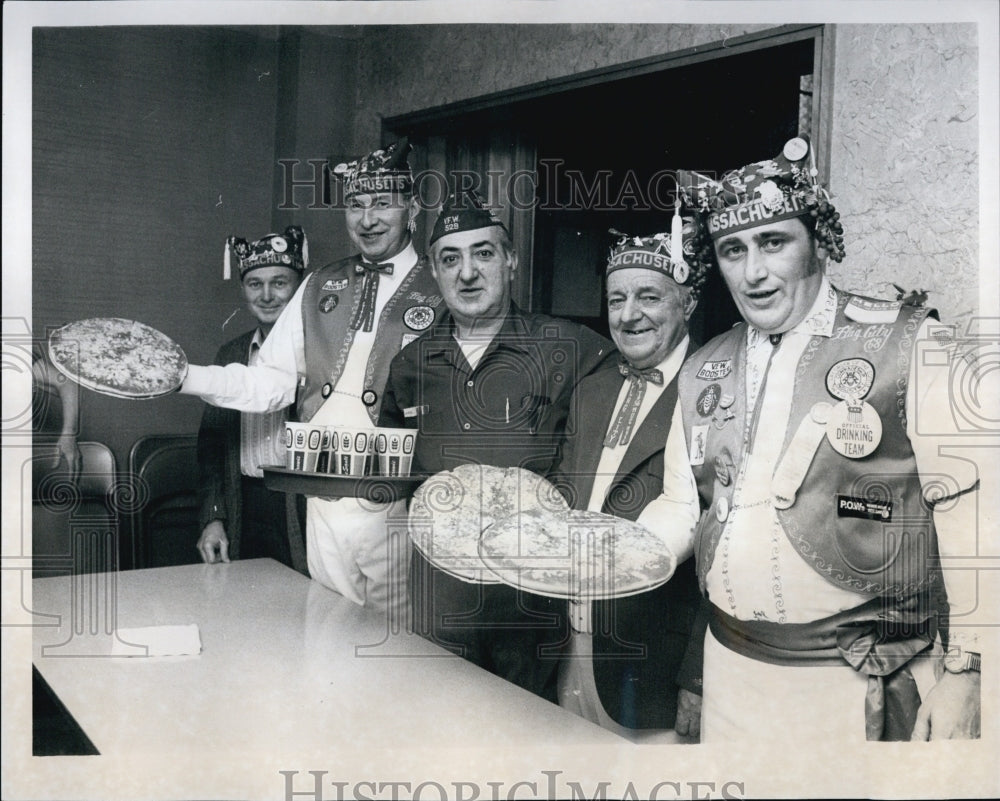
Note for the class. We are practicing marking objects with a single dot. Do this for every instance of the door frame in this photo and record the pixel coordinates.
(430, 118)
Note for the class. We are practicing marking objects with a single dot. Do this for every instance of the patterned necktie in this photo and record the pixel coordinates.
(621, 429)
(364, 315)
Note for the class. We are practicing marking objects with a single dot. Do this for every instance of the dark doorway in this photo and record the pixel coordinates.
(605, 152)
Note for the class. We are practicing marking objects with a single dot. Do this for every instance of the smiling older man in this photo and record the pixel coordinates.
(488, 384)
(646, 667)
(794, 455)
(329, 353)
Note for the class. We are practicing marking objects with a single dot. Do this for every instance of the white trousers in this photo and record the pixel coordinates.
(360, 550)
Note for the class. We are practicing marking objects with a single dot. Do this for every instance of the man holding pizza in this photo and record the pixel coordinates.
(637, 670)
(240, 517)
(487, 384)
(329, 354)
(822, 510)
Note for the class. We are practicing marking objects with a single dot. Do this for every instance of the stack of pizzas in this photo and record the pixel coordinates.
(450, 511)
(492, 525)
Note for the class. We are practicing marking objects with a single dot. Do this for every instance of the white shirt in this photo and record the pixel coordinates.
(271, 383)
(262, 440)
(756, 569)
(352, 546)
(611, 458)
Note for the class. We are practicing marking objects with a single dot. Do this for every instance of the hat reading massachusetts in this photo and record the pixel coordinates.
(657, 253)
(768, 191)
(290, 249)
(383, 170)
(463, 211)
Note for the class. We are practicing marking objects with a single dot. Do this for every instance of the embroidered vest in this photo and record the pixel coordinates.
(861, 523)
(328, 305)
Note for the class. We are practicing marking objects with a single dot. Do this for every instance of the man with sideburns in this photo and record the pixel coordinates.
(813, 503)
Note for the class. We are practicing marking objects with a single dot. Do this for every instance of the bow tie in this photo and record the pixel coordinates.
(623, 425)
(364, 314)
(649, 374)
(383, 267)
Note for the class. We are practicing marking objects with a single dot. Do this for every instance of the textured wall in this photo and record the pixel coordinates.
(150, 146)
(413, 67)
(904, 161)
(315, 121)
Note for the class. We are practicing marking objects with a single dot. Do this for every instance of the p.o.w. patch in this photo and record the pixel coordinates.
(418, 318)
(713, 371)
(333, 285)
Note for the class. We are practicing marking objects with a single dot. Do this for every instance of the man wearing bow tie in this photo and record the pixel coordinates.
(636, 672)
(329, 354)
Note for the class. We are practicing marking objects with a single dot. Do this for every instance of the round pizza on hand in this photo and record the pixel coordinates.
(577, 555)
(118, 357)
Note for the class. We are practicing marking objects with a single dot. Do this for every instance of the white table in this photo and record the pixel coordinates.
(286, 666)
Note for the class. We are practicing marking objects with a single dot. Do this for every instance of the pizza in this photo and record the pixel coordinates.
(451, 509)
(576, 554)
(117, 357)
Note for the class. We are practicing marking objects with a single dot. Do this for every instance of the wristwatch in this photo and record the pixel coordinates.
(958, 660)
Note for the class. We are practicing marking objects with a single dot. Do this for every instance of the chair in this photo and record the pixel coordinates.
(164, 518)
(74, 526)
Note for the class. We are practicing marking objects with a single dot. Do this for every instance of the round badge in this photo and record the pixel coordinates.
(850, 379)
(279, 245)
(326, 390)
(681, 272)
(820, 413)
(854, 429)
(708, 399)
(328, 303)
(368, 397)
(722, 510)
(796, 149)
(726, 401)
(418, 317)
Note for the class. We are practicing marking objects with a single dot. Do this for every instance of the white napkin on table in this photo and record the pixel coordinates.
(181, 640)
